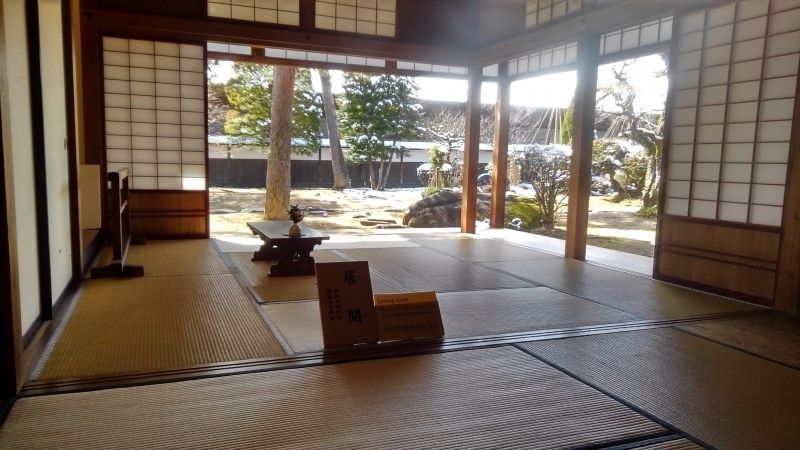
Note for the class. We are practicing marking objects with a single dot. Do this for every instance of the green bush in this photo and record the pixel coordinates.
(648, 212)
(527, 210)
(430, 190)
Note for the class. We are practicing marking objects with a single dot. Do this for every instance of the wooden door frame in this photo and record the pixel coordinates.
(10, 343)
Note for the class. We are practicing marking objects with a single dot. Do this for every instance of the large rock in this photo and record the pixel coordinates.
(442, 209)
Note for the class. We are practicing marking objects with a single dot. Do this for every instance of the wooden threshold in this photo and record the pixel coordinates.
(336, 356)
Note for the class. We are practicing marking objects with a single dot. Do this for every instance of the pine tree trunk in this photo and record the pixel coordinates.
(650, 197)
(372, 182)
(341, 178)
(385, 172)
(280, 150)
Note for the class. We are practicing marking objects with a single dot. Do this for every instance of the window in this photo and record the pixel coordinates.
(282, 12)
(373, 17)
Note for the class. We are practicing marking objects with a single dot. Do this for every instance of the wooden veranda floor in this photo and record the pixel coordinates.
(540, 352)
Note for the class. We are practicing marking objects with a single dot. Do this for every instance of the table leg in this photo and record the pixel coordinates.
(295, 259)
(267, 252)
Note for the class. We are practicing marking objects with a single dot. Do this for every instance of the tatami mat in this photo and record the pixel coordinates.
(366, 242)
(283, 289)
(486, 313)
(466, 314)
(179, 257)
(470, 399)
(298, 323)
(640, 296)
(154, 323)
(419, 269)
(722, 396)
(280, 289)
(483, 250)
(677, 444)
(771, 335)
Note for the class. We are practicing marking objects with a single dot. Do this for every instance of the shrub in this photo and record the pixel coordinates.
(430, 190)
(648, 212)
(546, 168)
(523, 214)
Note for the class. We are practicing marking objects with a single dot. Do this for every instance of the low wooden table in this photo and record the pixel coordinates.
(293, 253)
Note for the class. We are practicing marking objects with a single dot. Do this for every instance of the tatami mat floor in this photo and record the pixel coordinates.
(188, 310)
(727, 378)
(471, 399)
(722, 396)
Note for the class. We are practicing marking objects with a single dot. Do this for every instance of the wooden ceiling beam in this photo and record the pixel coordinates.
(595, 19)
(389, 68)
(266, 35)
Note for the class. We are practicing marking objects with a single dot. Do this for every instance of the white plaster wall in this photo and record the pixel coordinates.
(17, 141)
(55, 135)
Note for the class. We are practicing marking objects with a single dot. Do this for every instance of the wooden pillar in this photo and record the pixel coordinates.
(469, 183)
(787, 283)
(11, 351)
(580, 180)
(502, 112)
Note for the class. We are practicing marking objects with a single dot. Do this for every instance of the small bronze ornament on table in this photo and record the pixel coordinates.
(296, 216)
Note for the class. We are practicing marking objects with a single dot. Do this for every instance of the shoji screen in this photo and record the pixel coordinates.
(732, 112)
(155, 124)
(734, 79)
(374, 17)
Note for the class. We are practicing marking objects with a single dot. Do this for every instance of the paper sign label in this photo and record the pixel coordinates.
(409, 315)
(345, 303)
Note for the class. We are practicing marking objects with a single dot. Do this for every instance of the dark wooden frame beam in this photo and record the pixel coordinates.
(591, 19)
(39, 160)
(72, 157)
(469, 182)
(787, 283)
(391, 66)
(666, 143)
(580, 179)
(11, 378)
(502, 113)
(266, 35)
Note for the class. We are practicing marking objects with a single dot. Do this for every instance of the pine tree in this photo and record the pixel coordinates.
(377, 113)
(341, 177)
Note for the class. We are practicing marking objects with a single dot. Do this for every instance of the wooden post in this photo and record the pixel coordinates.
(787, 283)
(469, 182)
(502, 112)
(580, 180)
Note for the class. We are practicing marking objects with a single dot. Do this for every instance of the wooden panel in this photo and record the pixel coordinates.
(449, 23)
(740, 261)
(161, 214)
(787, 292)
(500, 19)
(186, 8)
(747, 283)
(169, 227)
(755, 243)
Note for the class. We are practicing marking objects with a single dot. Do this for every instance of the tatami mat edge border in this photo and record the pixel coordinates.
(659, 420)
(336, 356)
(244, 283)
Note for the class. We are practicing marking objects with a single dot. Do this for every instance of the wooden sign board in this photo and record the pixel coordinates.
(346, 307)
(410, 315)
